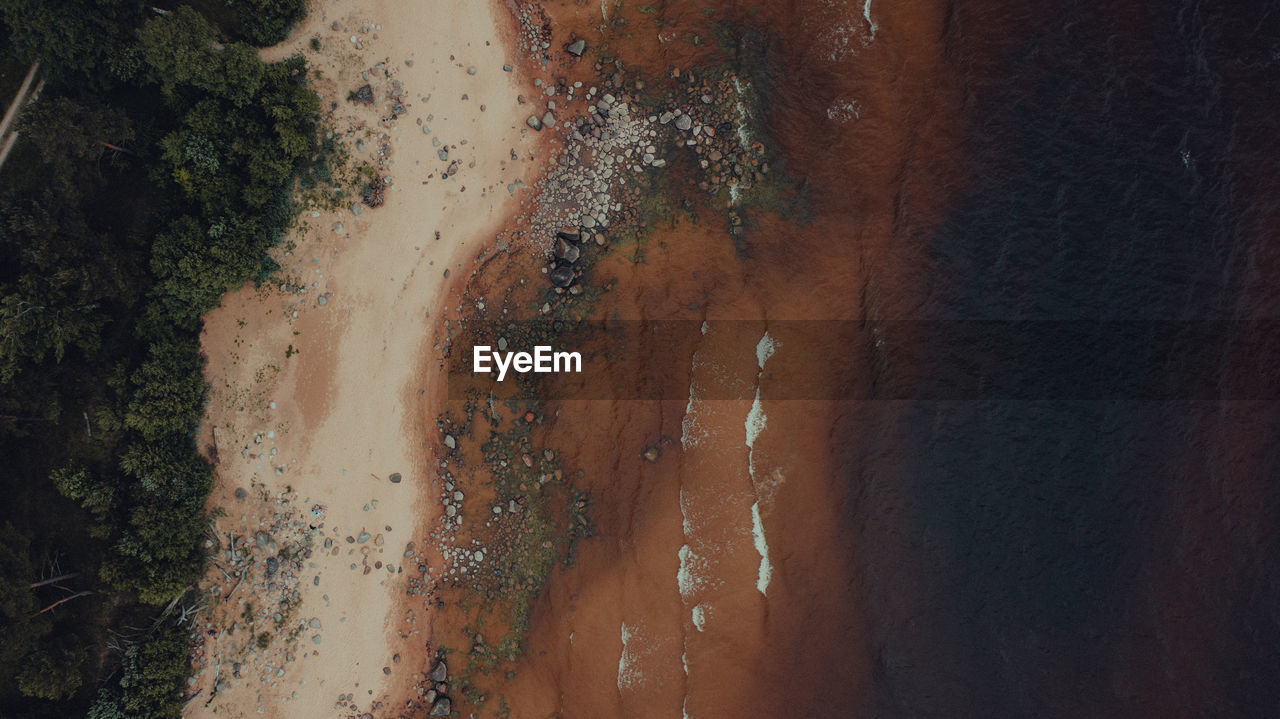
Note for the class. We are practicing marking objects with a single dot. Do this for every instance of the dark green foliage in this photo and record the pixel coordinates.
(265, 22)
(85, 40)
(168, 392)
(20, 627)
(151, 675)
(151, 177)
(54, 672)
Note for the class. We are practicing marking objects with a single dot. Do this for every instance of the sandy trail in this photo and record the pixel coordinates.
(333, 389)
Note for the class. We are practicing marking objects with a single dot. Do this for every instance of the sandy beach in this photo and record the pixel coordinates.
(318, 386)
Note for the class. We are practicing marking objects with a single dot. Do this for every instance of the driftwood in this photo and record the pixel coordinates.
(52, 580)
(233, 589)
(85, 593)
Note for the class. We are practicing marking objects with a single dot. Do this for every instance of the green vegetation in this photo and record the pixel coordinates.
(151, 176)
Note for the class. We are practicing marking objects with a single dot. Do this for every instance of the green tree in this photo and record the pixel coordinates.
(100, 498)
(72, 38)
(41, 317)
(68, 134)
(21, 628)
(168, 391)
(154, 673)
(54, 672)
(265, 22)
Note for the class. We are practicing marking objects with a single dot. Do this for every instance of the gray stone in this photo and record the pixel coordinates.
(684, 122)
(440, 672)
(442, 707)
(534, 122)
(567, 251)
(395, 478)
(576, 48)
(450, 442)
(549, 120)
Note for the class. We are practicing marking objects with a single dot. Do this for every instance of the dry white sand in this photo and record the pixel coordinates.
(355, 399)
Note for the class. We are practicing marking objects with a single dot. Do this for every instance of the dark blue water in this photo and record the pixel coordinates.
(1103, 556)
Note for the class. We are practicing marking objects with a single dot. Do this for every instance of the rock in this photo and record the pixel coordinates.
(506, 68)
(240, 493)
(322, 300)
(534, 122)
(561, 277)
(600, 240)
(364, 537)
(314, 623)
(665, 117)
(364, 95)
(684, 122)
(651, 453)
(549, 120)
(273, 566)
(431, 696)
(261, 539)
(576, 48)
(471, 70)
(442, 707)
(569, 235)
(395, 478)
(567, 251)
(450, 442)
(440, 672)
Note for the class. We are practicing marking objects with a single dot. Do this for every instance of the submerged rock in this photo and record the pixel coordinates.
(561, 277)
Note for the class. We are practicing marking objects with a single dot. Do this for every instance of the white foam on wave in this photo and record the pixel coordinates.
(756, 420)
(765, 573)
(699, 616)
(765, 349)
(629, 674)
(693, 573)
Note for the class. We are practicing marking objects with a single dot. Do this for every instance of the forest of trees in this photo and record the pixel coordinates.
(150, 177)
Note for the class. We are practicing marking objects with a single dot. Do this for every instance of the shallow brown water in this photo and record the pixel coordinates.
(931, 555)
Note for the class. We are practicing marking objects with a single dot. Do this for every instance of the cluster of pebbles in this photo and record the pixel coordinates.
(613, 136)
(256, 588)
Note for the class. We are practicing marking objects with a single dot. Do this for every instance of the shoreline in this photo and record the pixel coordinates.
(303, 404)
